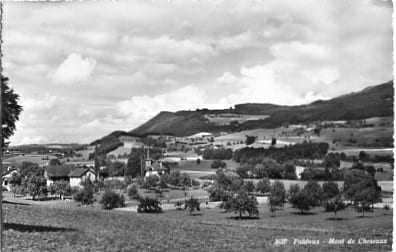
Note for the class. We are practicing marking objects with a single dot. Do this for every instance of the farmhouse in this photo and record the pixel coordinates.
(57, 173)
(79, 174)
(7, 177)
(68, 173)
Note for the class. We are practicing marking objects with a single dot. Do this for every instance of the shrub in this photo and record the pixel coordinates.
(111, 200)
(149, 205)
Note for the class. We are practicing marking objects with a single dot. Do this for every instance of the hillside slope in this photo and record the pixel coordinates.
(375, 101)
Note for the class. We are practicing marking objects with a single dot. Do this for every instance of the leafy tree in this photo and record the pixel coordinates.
(116, 169)
(263, 186)
(302, 201)
(273, 141)
(134, 163)
(133, 192)
(242, 203)
(249, 186)
(218, 164)
(10, 111)
(191, 204)
(293, 190)
(315, 191)
(334, 205)
(277, 195)
(149, 205)
(330, 190)
(111, 199)
(85, 195)
(361, 188)
(289, 170)
(150, 182)
(250, 140)
(54, 162)
(218, 193)
(61, 187)
(198, 161)
(36, 186)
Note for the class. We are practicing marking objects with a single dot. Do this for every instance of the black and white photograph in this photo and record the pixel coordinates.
(197, 125)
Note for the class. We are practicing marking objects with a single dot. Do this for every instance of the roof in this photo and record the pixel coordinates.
(59, 171)
(79, 172)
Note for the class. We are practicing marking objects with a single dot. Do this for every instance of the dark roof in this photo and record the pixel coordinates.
(78, 172)
(59, 171)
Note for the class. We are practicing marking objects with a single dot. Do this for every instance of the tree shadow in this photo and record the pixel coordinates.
(336, 218)
(304, 213)
(196, 214)
(15, 203)
(243, 218)
(365, 216)
(35, 228)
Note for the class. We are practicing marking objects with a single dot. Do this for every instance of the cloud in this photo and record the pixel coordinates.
(141, 108)
(74, 69)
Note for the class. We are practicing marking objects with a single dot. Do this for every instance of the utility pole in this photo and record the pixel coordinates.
(1, 123)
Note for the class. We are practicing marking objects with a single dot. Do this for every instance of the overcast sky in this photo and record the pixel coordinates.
(85, 69)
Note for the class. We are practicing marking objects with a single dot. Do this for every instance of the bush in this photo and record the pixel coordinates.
(133, 192)
(111, 200)
(149, 205)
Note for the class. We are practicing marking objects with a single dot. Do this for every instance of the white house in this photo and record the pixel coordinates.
(6, 179)
(79, 174)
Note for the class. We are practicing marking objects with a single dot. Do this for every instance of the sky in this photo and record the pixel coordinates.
(85, 69)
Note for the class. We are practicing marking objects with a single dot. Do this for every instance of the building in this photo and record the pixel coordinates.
(73, 175)
(7, 177)
(80, 174)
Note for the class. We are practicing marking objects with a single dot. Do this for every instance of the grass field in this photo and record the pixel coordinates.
(39, 159)
(34, 228)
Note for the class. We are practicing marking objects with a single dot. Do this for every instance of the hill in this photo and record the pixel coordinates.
(375, 101)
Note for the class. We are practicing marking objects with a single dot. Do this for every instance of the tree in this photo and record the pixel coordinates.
(334, 205)
(10, 111)
(150, 182)
(85, 195)
(330, 190)
(133, 168)
(61, 187)
(36, 186)
(362, 189)
(263, 186)
(133, 192)
(54, 162)
(302, 201)
(293, 190)
(273, 141)
(277, 195)
(111, 199)
(249, 186)
(289, 171)
(313, 189)
(191, 204)
(149, 205)
(218, 164)
(198, 161)
(250, 140)
(242, 203)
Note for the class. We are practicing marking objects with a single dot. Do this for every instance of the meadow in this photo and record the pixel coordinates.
(36, 228)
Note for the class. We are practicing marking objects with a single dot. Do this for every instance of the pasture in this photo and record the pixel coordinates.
(39, 159)
(88, 229)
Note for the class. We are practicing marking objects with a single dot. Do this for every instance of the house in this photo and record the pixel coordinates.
(78, 175)
(7, 177)
(57, 173)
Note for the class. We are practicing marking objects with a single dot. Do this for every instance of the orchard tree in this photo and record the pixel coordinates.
(277, 196)
(293, 190)
(249, 186)
(263, 186)
(10, 111)
(242, 203)
(334, 205)
(36, 186)
(191, 204)
(302, 201)
(330, 190)
(315, 191)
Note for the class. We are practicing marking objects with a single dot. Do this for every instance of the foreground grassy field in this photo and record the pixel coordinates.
(35, 228)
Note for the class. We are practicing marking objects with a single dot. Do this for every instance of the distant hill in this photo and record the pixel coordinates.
(375, 101)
